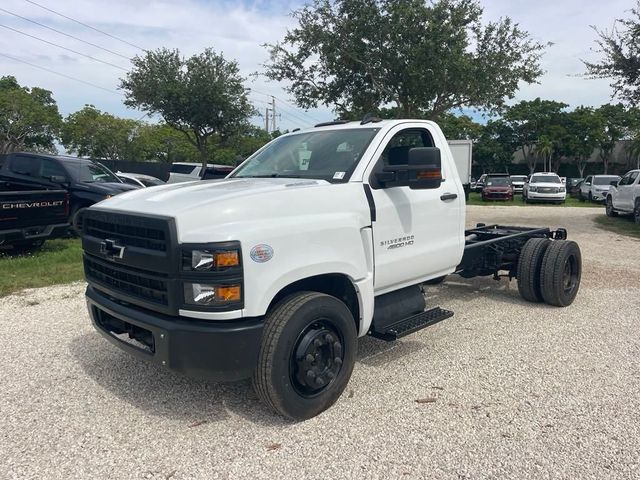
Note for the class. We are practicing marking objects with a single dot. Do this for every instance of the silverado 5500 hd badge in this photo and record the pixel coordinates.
(398, 242)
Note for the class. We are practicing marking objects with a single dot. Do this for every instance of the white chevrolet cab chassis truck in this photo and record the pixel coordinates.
(321, 237)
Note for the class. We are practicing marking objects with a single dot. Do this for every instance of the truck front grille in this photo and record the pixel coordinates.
(146, 286)
(128, 235)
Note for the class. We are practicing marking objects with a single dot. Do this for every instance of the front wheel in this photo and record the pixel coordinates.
(75, 219)
(307, 355)
(636, 213)
(609, 208)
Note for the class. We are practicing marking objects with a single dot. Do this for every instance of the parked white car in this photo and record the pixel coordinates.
(518, 182)
(625, 196)
(184, 172)
(595, 187)
(544, 187)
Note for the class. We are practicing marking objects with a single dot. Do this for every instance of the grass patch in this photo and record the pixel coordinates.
(476, 199)
(624, 225)
(57, 262)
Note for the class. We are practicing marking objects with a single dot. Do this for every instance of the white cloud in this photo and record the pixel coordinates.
(239, 29)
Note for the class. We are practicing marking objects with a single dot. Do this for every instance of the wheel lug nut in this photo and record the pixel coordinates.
(311, 374)
(330, 375)
(337, 361)
(329, 338)
(319, 381)
(317, 342)
(309, 358)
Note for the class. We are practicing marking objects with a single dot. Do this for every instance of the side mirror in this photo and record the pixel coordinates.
(422, 171)
(58, 179)
(427, 164)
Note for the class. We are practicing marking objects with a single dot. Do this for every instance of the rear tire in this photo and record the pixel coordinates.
(307, 355)
(561, 273)
(529, 268)
(609, 208)
(636, 213)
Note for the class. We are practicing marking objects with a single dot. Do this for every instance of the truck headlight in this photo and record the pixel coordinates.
(211, 294)
(533, 188)
(562, 189)
(210, 259)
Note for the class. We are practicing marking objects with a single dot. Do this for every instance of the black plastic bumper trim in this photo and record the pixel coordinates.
(214, 350)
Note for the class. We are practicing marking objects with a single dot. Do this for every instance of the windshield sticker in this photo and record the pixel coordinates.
(338, 175)
(261, 253)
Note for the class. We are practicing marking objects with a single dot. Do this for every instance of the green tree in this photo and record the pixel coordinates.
(421, 59)
(583, 133)
(544, 148)
(528, 122)
(90, 132)
(615, 127)
(202, 96)
(620, 47)
(29, 117)
(163, 143)
(459, 127)
(494, 150)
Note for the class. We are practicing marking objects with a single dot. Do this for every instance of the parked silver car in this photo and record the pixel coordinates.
(595, 187)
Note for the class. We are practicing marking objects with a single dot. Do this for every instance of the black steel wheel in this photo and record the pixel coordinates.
(561, 273)
(307, 355)
(529, 267)
(609, 208)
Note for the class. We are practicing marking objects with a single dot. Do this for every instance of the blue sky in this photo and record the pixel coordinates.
(238, 29)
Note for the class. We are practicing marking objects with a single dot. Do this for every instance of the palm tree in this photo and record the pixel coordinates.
(544, 148)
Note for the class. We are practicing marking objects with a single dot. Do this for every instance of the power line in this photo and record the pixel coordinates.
(64, 48)
(65, 34)
(86, 25)
(287, 103)
(61, 74)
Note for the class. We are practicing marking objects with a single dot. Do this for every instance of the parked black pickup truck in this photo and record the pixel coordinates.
(29, 217)
(86, 181)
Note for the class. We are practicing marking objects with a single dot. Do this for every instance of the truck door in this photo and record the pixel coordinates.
(625, 191)
(418, 234)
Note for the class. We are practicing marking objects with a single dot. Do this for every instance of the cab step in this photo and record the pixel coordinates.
(412, 324)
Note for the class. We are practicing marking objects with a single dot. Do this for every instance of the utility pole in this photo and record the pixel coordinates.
(266, 120)
(273, 111)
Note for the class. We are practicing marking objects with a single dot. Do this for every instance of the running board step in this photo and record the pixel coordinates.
(412, 324)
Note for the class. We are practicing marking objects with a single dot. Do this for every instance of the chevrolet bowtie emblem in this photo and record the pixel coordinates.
(110, 250)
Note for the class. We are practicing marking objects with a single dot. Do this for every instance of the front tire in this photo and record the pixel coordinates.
(636, 213)
(75, 219)
(609, 208)
(561, 273)
(307, 355)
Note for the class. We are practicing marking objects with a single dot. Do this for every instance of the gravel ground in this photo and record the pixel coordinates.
(505, 389)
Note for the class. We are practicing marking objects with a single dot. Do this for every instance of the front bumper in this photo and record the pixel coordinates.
(43, 232)
(221, 351)
(497, 195)
(599, 196)
(548, 197)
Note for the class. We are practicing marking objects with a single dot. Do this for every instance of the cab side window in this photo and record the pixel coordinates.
(23, 165)
(632, 177)
(397, 150)
(49, 169)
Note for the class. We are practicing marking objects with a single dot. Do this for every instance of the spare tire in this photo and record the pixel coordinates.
(561, 273)
(529, 268)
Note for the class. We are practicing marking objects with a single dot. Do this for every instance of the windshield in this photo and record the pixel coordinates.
(605, 180)
(151, 182)
(330, 155)
(498, 182)
(545, 179)
(90, 172)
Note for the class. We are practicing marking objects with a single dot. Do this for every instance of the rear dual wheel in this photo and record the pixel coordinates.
(307, 355)
(549, 271)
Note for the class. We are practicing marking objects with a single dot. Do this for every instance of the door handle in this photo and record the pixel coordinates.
(448, 196)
